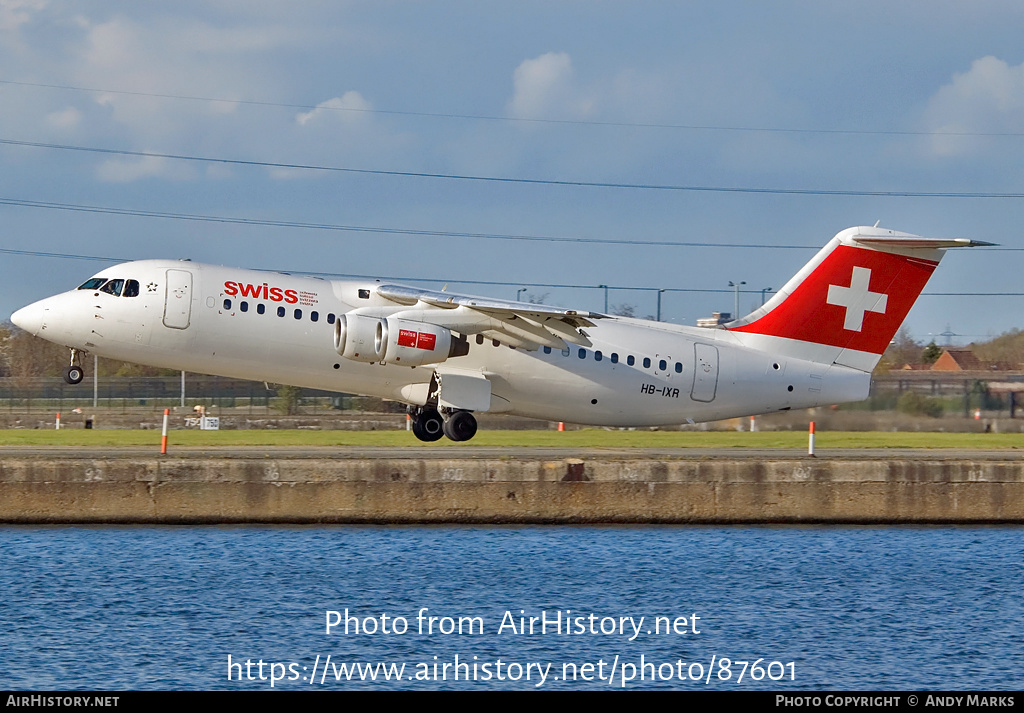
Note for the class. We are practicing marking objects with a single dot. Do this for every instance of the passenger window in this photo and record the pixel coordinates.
(662, 365)
(280, 311)
(479, 339)
(131, 288)
(547, 350)
(244, 306)
(565, 352)
(261, 308)
(615, 358)
(679, 368)
(330, 318)
(298, 314)
(314, 316)
(495, 342)
(93, 283)
(597, 356)
(647, 362)
(113, 287)
(630, 360)
(227, 304)
(583, 353)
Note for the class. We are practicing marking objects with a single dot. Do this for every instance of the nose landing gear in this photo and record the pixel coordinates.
(74, 373)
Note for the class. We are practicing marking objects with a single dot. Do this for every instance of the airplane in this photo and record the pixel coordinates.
(448, 356)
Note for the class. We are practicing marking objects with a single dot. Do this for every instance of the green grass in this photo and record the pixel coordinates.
(588, 438)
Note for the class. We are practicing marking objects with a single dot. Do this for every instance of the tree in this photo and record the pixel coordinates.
(931, 353)
(623, 310)
(27, 356)
(288, 399)
(915, 404)
(1007, 348)
(902, 350)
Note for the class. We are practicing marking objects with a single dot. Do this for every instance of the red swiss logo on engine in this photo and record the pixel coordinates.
(419, 340)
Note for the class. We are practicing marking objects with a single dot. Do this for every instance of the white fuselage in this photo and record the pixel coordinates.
(280, 328)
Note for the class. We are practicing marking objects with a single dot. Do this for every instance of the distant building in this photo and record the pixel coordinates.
(957, 360)
(966, 360)
(717, 319)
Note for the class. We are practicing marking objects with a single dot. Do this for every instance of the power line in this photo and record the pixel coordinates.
(266, 222)
(516, 119)
(512, 180)
(496, 283)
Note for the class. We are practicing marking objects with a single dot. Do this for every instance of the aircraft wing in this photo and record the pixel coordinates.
(520, 324)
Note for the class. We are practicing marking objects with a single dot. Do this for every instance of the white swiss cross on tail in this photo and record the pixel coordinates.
(857, 299)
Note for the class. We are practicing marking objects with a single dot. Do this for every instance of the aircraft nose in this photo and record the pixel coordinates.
(31, 318)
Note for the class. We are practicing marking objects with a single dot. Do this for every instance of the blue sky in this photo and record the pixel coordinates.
(868, 96)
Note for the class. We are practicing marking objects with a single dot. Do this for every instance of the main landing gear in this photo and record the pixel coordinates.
(74, 373)
(460, 425)
(429, 425)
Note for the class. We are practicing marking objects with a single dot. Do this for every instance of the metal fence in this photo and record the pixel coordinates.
(958, 391)
(135, 393)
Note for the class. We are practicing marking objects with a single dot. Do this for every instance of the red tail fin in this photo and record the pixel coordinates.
(853, 296)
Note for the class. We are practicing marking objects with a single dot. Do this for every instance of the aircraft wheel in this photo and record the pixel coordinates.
(428, 425)
(74, 374)
(460, 426)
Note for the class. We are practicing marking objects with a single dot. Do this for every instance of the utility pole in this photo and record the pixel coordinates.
(736, 301)
(605, 287)
(766, 289)
(659, 304)
(520, 291)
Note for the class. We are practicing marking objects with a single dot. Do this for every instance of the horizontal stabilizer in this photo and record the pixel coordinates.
(933, 243)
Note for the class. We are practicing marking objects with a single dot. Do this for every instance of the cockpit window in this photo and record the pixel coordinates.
(113, 287)
(92, 283)
(131, 288)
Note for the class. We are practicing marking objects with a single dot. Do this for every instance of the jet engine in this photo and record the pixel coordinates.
(360, 338)
(395, 341)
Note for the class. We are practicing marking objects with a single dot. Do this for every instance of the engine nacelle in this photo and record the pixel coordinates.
(396, 341)
(360, 338)
(414, 343)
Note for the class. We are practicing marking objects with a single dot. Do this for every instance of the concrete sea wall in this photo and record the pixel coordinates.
(70, 489)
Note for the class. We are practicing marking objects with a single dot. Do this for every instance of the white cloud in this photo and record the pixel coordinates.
(174, 56)
(127, 170)
(15, 13)
(350, 107)
(988, 98)
(67, 118)
(544, 87)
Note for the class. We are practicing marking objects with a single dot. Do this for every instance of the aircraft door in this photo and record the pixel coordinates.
(705, 373)
(178, 299)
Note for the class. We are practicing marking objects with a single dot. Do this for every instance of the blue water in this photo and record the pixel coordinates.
(836, 607)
